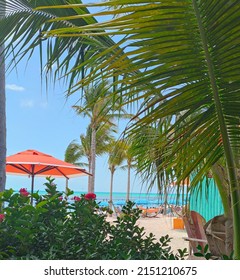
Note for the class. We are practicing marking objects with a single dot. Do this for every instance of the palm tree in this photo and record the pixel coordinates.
(189, 51)
(115, 159)
(77, 150)
(2, 116)
(128, 154)
(100, 108)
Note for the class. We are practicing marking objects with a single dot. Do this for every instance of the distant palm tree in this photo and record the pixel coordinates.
(76, 151)
(2, 116)
(128, 154)
(101, 109)
(115, 159)
(150, 155)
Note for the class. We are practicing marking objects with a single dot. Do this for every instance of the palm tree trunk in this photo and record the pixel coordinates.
(111, 190)
(128, 181)
(2, 121)
(89, 170)
(93, 161)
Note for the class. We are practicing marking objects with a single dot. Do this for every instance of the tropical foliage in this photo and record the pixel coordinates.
(128, 154)
(102, 110)
(188, 51)
(78, 150)
(55, 229)
(116, 157)
(79, 153)
(181, 60)
(22, 28)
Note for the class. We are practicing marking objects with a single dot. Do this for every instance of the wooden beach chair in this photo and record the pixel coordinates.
(194, 225)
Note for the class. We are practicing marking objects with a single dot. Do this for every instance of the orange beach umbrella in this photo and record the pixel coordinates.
(35, 163)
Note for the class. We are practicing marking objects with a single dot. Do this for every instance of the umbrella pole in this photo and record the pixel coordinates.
(32, 185)
(66, 188)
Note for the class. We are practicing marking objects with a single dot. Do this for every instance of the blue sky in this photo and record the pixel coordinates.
(44, 120)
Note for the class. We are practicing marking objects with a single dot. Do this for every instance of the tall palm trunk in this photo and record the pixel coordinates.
(89, 170)
(91, 185)
(128, 181)
(112, 169)
(2, 120)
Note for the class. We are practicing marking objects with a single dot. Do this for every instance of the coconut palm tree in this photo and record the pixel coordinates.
(100, 107)
(2, 116)
(76, 151)
(189, 51)
(128, 154)
(116, 158)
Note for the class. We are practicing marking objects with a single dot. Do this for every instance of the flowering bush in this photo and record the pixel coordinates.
(90, 196)
(76, 198)
(24, 192)
(2, 216)
(54, 229)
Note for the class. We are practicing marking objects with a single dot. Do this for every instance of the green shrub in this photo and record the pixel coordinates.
(54, 229)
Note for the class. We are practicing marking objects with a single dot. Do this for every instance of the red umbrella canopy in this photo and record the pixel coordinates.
(35, 163)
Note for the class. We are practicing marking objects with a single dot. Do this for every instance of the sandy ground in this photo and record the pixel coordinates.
(161, 226)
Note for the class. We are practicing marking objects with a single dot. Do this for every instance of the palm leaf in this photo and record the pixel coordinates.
(22, 28)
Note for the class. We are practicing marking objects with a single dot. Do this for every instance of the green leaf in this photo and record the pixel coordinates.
(205, 249)
(41, 204)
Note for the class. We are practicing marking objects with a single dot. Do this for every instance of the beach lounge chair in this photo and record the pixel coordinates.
(218, 242)
(150, 212)
(194, 225)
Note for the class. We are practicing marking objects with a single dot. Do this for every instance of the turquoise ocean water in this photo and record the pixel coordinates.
(119, 198)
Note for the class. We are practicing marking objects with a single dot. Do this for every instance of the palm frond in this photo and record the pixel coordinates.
(22, 29)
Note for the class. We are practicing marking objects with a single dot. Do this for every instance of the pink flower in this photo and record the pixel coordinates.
(2, 216)
(76, 198)
(24, 192)
(60, 198)
(90, 196)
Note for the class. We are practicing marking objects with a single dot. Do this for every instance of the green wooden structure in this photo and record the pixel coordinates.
(206, 201)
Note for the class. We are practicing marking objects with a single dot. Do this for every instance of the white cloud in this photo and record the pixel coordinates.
(14, 87)
(30, 103)
(27, 103)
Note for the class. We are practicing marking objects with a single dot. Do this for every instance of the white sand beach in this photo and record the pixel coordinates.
(161, 226)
